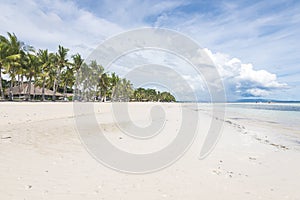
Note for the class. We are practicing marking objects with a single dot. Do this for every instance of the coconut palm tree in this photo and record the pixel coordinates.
(67, 79)
(83, 83)
(32, 71)
(12, 59)
(97, 82)
(167, 97)
(45, 59)
(123, 91)
(139, 94)
(115, 79)
(3, 54)
(151, 94)
(104, 85)
(128, 89)
(60, 61)
(77, 63)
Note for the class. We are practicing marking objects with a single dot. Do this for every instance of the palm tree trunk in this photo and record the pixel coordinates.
(33, 92)
(54, 91)
(18, 83)
(34, 89)
(65, 89)
(22, 83)
(104, 98)
(11, 95)
(43, 90)
(1, 87)
(56, 83)
(29, 89)
(12, 78)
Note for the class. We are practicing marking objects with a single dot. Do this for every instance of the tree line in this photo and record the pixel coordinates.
(62, 73)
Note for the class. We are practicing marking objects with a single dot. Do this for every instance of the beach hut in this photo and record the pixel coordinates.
(21, 92)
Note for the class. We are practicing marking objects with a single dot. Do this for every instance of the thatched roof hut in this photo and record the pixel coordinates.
(22, 90)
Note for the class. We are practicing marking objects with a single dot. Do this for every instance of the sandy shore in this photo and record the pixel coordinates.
(41, 157)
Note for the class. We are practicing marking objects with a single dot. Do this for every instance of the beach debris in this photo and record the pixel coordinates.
(229, 122)
(283, 147)
(280, 146)
(5, 137)
(28, 187)
(266, 141)
(230, 174)
(218, 172)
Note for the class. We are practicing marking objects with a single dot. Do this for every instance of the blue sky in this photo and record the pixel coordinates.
(255, 44)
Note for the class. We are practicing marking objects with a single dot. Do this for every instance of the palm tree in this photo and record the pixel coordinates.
(151, 94)
(128, 90)
(96, 82)
(77, 62)
(114, 81)
(14, 49)
(32, 72)
(68, 79)
(45, 59)
(61, 61)
(83, 83)
(123, 91)
(104, 85)
(21, 71)
(167, 97)
(3, 55)
(140, 94)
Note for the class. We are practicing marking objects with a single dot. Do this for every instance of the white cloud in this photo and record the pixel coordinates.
(46, 24)
(260, 78)
(242, 79)
(253, 32)
(256, 92)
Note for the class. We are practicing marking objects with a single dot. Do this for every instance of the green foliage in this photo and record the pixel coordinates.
(54, 71)
(142, 94)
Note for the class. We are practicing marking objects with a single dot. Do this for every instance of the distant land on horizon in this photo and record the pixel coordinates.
(252, 101)
(263, 101)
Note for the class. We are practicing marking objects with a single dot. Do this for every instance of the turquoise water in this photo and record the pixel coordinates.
(285, 114)
(266, 106)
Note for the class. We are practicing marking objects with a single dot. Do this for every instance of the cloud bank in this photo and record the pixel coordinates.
(241, 79)
(48, 23)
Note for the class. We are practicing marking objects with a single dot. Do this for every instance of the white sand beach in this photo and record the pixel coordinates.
(42, 157)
